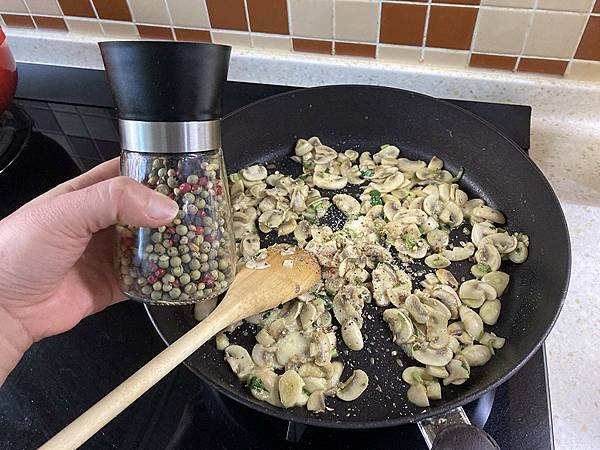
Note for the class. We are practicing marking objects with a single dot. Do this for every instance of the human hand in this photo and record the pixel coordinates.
(57, 255)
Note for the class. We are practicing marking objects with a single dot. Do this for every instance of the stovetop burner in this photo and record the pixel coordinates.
(60, 377)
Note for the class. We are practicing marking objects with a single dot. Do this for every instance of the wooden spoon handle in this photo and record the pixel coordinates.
(86, 425)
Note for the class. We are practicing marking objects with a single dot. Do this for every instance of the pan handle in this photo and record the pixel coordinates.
(453, 430)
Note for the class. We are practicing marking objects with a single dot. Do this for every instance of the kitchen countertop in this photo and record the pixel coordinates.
(565, 144)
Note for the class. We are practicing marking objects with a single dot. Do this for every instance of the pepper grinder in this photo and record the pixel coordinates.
(168, 96)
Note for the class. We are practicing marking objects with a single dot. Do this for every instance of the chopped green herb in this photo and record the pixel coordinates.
(458, 176)
(334, 353)
(255, 383)
(349, 233)
(266, 315)
(480, 337)
(408, 240)
(416, 347)
(367, 173)
(304, 176)
(492, 351)
(375, 198)
(327, 170)
(483, 267)
(326, 300)
(384, 146)
(462, 363)
(306, 391)
(417, 378)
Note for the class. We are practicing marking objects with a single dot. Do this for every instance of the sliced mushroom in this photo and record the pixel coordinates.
(316, 402)
(221, 341)
(290, 389)
(416, 309)
(293, 343)
(448, 297)
(519, 255)
(303, 147)
(457, 329)
(437, 261)
(254, 173)
(471, 321)
(432, 204)
(400, 325)
(264, 338)
(352, 335)
(417, 394)
(484, 212)
(329, 181)
(469, 206)
(459, 372)
(262, 357)
(481, 230)
(498, 280)
(320, 349)
(354, 386)
(438, 239)
(426, 354)
(239, 360)
(476, 355)
(347, 204)
(436, 305)
(460, 253)
(474, 292)
(389, 184)
(451, 214)
(436, 371)
(391, 207)
(308, 315)
(504, 242)
(446, 277)
(333, 372)
(489, 255)
(490, 339)
(490, 311)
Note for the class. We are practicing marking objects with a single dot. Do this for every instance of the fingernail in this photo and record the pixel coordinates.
(161, 207)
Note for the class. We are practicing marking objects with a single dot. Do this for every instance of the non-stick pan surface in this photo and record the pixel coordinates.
(363, 118)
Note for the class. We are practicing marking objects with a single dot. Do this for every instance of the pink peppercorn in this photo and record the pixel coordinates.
(202, 181)
(185, 187)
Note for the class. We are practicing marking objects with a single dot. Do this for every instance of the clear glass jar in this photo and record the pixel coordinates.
(193, 257)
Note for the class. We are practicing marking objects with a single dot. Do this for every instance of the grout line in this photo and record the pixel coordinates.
(474, 37)
(526, 38)
(378, 30)
(425, 30)
(28, 13)
(572, 58)
(97, 17)
(333, 27)
(288, 5)
(248, 27)
(173, 35)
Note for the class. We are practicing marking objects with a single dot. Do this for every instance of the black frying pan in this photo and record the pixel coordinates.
(497, 170)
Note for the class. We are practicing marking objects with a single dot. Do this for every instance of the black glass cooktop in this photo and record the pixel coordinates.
(61, 376)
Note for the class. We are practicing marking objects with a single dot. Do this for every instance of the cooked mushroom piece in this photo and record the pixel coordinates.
(436, 371)
(468, 207)
(416, 309)
(426, 354)
(457, 330)
(351, 335)
(460, 253)
(437, 261)
(415, 375)
(498, 280)
(489, 255)
(504, 242)
(446, 277)
(438, 239)
(354, 386)
(476, 355)
(290, 389)
(483, 212)
(400, 325)
(239, 360)
(474, 292)
(417, 394)
(221, 341)
(519, 254)
(329, 181)
(346, 204)
(459, 371)
(448, 297)
(490, 311)
(481, 230)
(471, 321)
(434, 391)
(451, 214)
(316, 402)
(254, 173)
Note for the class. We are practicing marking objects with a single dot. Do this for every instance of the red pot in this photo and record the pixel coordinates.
(8, 74)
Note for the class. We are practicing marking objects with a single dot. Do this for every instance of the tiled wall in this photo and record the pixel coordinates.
(553, 37)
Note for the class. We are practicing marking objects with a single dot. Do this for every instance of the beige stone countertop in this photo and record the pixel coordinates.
(565, 144)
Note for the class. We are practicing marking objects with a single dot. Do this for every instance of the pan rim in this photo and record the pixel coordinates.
(438, 410)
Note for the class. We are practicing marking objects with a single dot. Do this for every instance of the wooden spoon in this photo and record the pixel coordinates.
(252, 291)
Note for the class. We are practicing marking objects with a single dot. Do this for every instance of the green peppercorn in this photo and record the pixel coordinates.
(157, 286)
(203, 257)
(167, 287)
(192, 209)
(221, 276)
(172, 182)
(204, 194)
(168, 278)
(147, 290)
(183, 248)
(184, 298)
(159, 249)
(157, 163)
(186, 258)
(223, 264)
(176, 221)
(207, 221)
(193, 247)
(153, 257)
(184, 279)
(172, 251)
(195, 275)
(149, 248)
(201, 286)
(190, 288)
(162, 172)
(180, 214)
(188, 197)
(212, 254)
(214, 274)
(199, 239)
(195, 264)
(184, 240)
(205, 247)
(163, 189)
(141, 281)
(204, 267)
(156, 295)
(190, 234)
(175, 292)
(199, 203)
(162, 229)
(164, 263)
(181, 230)
(213, 264)
(207, 292)
(177, 271)
(192, 179)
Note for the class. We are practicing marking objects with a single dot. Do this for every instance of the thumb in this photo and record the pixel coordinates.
(117, 200)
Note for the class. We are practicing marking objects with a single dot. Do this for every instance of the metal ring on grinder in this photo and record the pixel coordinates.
(170, 137)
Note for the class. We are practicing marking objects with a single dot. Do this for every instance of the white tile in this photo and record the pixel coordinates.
(509, 3)
(399, 53)
(312, 18)
(501, 30)
(49, 7)
(120, 30)
(149, 11)
(272, 42)
(13, 6)
(234, 39)
(584, 70)
(356, 20)
(566, 5)
(554, 34)
(189, 13)
(446, 58)
(85, 27)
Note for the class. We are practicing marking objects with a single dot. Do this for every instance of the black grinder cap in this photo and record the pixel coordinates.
(166, 81)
